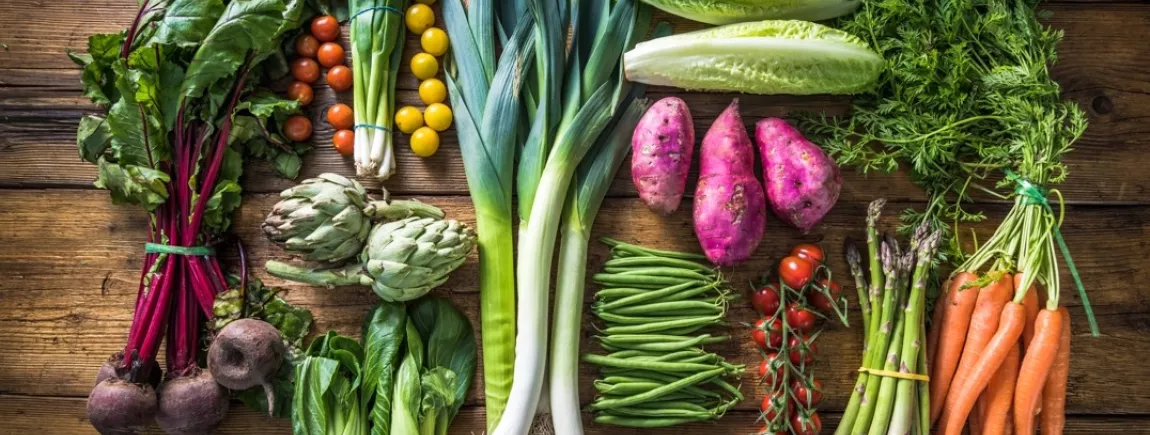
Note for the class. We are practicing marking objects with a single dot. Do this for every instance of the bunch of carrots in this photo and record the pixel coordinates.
(999, 356)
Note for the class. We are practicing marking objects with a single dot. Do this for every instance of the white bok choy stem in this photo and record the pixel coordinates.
(592, 179)
(592, 89)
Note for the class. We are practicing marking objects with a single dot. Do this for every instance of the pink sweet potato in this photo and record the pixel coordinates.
(661, 150)
(802, 182)
(730, 207)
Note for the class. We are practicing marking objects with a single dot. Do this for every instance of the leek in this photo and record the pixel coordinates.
(377, 37)
(485, 99)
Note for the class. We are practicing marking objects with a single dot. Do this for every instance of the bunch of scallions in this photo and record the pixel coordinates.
(551, 98)
(376, 46)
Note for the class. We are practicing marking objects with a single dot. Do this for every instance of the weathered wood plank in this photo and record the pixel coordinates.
(53, 415)
(1100, 68)
(65, 306)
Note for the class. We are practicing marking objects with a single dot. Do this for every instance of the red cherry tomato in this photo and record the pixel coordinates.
(305, 70)
(772, 370)
(766, 300)
(340, 116)
(820, 301)
(802, 350)
(297, 128)
(325, 28)
(800, 318)
(306, 46)
(808, 392)
(776, 407)
(809, 251)
(330, 54)
(344, 142)
(806, 423)
(768, 336)
(796, 272)
(301, 92)
(339, 78)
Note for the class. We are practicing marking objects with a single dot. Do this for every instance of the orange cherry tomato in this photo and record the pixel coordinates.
(339, 78)
(325, 28)
(330, 54)
(297, 128)
(306, 46)
(305, 70)
(344, 142)
(301, 92)
(340, 117)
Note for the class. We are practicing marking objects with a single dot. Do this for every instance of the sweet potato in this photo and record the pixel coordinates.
(730, 206)
(801, 181)
(661, 150)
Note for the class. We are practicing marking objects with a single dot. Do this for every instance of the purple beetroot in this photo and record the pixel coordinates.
(661, 150)
(247, 353)
(730, 207)
(191, 404)
(802, 182)
(118, 406)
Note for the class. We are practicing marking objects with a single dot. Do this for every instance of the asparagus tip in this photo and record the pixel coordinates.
(874, 210)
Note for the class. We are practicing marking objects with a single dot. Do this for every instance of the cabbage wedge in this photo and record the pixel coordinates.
(738, 11)
(766, 57)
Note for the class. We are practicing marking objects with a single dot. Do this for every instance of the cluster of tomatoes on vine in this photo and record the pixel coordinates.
(799, 295)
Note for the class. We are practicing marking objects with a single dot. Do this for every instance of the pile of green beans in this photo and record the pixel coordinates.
(654, 306)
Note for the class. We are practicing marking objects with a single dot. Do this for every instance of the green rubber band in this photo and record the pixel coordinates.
(376, 8)
(199, 251)
(377, 127)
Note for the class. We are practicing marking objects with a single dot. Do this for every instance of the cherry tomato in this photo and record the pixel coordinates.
(768, 336)
(800, 318)
(340, 116)
(306, 46)
(325, 28)
(301, 92)
(776, 406)
(339, 78)
(297, 128)
(820, 301)
(808, 392)
(806, 423)
(305, 70)
(800, 354)
(330, 54)
(766, 300)
(344, 142)
(809, 251)
(796, 272)
(772, 369)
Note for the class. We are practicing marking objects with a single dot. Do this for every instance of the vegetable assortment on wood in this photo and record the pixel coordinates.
(656, 308)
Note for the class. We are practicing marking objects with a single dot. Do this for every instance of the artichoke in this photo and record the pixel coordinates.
(403, 259)
(327, 219)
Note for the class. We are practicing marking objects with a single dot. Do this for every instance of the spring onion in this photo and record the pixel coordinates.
(377, 38)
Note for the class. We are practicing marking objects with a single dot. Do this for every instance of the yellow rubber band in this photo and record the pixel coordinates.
(894, 374)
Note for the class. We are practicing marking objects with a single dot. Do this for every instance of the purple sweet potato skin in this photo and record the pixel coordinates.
(802, 182)
(730, 206)
(661, 151)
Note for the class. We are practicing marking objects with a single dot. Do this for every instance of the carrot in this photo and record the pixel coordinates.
(958, 306)
(1053, 417)
(983, 323)
(967, 386)
(936, 323)
(999, 394)
(1030, 301)
(1040, 356)
(974, 423)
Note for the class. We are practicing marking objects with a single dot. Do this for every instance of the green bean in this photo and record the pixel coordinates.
(649, 338)
(670, 307)
(639, 250)
(663, 412)
(653, 394)
(630, 262)
(626, 389)
(667, 367)
(615, 319)
(687, 330)
(640, 281)
(617, 342)
(664, 325)
(666, 294)
(642, 377)
(641, 421)
(634, 353)
(621, 292)
(727, 386)
(664, 271)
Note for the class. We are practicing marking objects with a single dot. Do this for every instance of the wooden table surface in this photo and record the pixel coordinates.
(69, 263)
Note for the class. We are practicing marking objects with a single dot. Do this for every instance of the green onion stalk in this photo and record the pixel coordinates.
(578, 95)
(377, 38)
(485, 97)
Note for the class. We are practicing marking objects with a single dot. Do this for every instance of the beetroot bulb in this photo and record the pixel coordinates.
(191, 403)
(246, 353)
(730, 206)
(802, 182)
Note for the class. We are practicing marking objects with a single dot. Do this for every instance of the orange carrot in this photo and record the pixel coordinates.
(967, 386)
(1053, 417)
(1010, 418)
(983, 323)
(936, 324)
(1040, 356)
(999, 394)
(958, 306)
(1030, 301)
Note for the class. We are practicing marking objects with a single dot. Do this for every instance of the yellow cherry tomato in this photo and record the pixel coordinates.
(419, 17)
(434, 41)
(408, 119)
(432, 91)
(424, 142)
(424, 66)
(437, 116)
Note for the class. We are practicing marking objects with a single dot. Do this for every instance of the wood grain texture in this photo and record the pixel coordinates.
(1101, 64)
(68, 281)
(66, 416)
